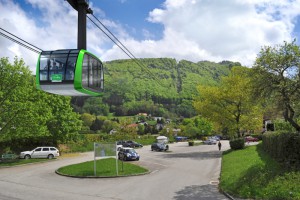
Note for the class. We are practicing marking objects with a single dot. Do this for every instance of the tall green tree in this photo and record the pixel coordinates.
(63, 120)
(196, 126)
(230, 105)
(276, 75)
(20, 112)
(26, 112)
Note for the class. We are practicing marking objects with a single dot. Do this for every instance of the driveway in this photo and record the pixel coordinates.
(185, 173)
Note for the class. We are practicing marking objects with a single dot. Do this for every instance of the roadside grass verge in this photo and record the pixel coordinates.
(251, 173)
(104, 168)
(15, 162)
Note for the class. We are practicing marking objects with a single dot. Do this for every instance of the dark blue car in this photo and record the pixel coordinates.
(127, 153)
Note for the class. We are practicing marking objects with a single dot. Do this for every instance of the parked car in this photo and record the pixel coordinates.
(159, 147)
(210, 141)
(127, 153)
(251, 139)
(180, 138)
(215, 138)
(119, 145)
(40, 152)
(131, 144)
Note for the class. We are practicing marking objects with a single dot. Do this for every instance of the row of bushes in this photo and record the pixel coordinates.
(284, 147)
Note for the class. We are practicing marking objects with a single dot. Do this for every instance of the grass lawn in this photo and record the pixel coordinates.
(21, 162)
(105, 168)
(251, 173)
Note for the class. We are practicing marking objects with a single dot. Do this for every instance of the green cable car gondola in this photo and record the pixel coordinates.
(70, 72)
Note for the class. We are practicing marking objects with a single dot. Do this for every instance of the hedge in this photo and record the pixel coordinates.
(283, 146)
(236, 144)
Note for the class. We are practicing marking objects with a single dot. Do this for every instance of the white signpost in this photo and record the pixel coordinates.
(105, 150)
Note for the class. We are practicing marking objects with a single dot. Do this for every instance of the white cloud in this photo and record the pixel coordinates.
(217, 30)
(194, 30)
(55, 28)
(226, 30)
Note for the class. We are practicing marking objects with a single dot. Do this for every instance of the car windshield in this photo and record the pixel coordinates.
(130, 151)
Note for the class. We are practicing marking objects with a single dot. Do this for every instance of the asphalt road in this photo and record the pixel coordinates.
(185, 173)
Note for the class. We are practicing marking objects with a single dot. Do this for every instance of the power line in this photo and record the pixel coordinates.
(20, 41)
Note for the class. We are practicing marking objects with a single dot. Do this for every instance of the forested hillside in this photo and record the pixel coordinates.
(159, 86)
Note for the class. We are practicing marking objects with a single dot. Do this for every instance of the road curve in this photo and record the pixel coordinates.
(185, 173)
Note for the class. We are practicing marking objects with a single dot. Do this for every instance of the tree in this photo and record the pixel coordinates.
(95, 106)
(21, 112)
(186, 108)
(141, 129)
(26, 112)
(109, 125)
(229, 105)
(63, 120)
(277, 77)
(88, 119)
(97, 124)
(196, 127)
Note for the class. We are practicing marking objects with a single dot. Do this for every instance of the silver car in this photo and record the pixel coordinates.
(210, 141)
(40, 152)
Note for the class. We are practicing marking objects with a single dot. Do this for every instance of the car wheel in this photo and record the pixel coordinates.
(137, 159)
(50, 156)
(27, 156)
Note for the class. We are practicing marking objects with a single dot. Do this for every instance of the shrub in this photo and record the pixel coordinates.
(191, 143)
(283, 146)
(238, 143)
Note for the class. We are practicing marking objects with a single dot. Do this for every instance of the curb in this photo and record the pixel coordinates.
(119, 176)
(228, 195)
(33, 163)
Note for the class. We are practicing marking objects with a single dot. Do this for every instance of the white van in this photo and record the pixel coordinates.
(162, 139)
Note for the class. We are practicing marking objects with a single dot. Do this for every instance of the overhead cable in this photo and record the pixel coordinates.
(20, 41)
(115, 40)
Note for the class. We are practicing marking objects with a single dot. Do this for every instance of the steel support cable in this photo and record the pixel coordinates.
(20, 43)
(24, 44)
(109, 37)
(113, 36)
(128, 53)
(136, 60)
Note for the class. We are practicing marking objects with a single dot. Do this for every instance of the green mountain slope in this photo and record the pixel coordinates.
(161, 81)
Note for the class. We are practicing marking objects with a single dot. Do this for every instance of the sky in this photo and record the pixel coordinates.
(194, 30)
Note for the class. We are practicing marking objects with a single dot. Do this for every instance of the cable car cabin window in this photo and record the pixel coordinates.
(91, 73)
(44, 63)
(57, 67)
(96, 73)
(70, 72)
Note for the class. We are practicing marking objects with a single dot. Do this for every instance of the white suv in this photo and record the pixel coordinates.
(40, 152)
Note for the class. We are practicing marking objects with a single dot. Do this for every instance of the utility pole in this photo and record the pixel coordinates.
(82, 7)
